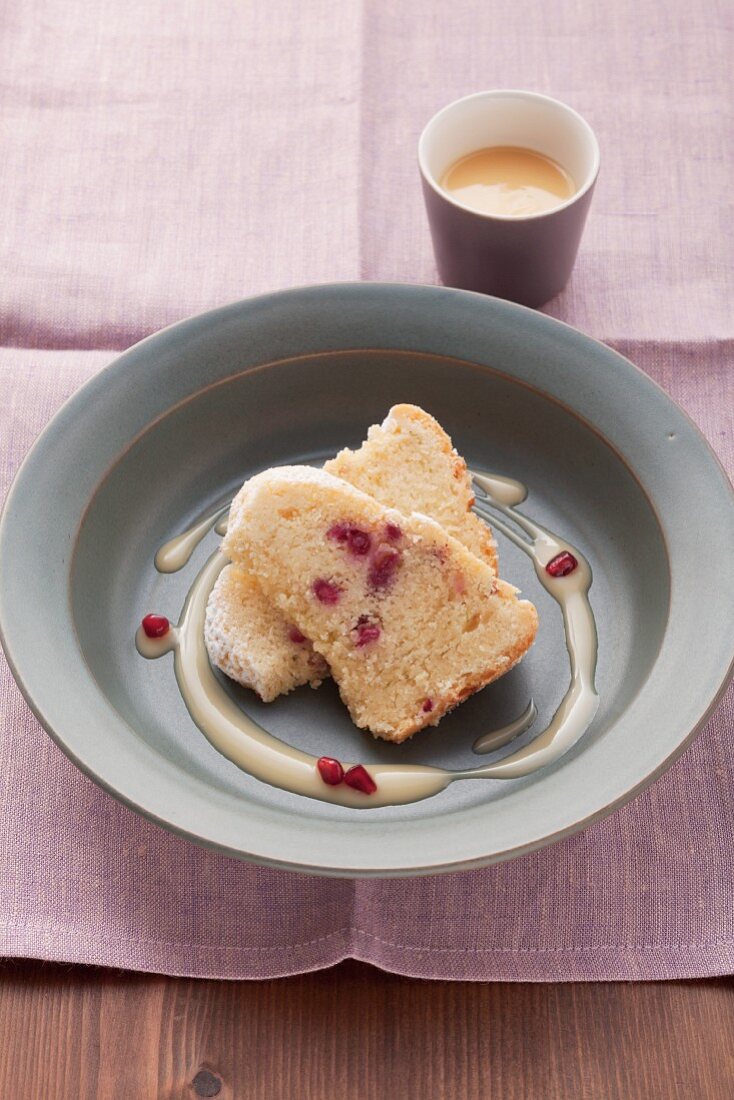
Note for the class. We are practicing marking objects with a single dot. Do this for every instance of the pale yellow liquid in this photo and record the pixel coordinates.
(509, 181)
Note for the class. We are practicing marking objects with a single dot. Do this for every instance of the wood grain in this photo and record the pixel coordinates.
(354, 1032)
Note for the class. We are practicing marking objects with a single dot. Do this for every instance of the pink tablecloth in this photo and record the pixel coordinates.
(162, 158)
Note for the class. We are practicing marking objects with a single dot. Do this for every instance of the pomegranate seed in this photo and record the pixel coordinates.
(384, 563)
(359, 778)
(563, 564)
(428, 706)
(330, 770)
(326, 591)
(367, 631)
(155, 626)
(338, 532)
(357, 541)
(393, 532)
(295, 635)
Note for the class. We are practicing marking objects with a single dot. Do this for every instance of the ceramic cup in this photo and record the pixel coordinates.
(526, 259)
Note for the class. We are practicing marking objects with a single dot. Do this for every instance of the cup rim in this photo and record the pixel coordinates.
(518, 93)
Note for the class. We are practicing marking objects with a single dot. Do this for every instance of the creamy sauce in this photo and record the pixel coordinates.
(495, 740)
(176, 553)
(504, 490)
(266, 757)
(581, 702)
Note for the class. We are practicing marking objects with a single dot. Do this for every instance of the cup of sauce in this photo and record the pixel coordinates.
(507, 180)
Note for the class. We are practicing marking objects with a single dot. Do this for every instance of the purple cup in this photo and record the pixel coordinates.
(529, 258)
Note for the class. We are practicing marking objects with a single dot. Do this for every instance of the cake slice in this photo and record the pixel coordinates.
(408, 462)
(409, 621)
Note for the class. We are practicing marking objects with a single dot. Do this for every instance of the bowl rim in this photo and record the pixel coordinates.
(339, 300)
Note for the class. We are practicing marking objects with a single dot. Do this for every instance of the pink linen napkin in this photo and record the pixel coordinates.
(159, 159)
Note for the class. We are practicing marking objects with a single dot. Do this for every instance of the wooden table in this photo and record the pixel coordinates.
(355, 1032)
